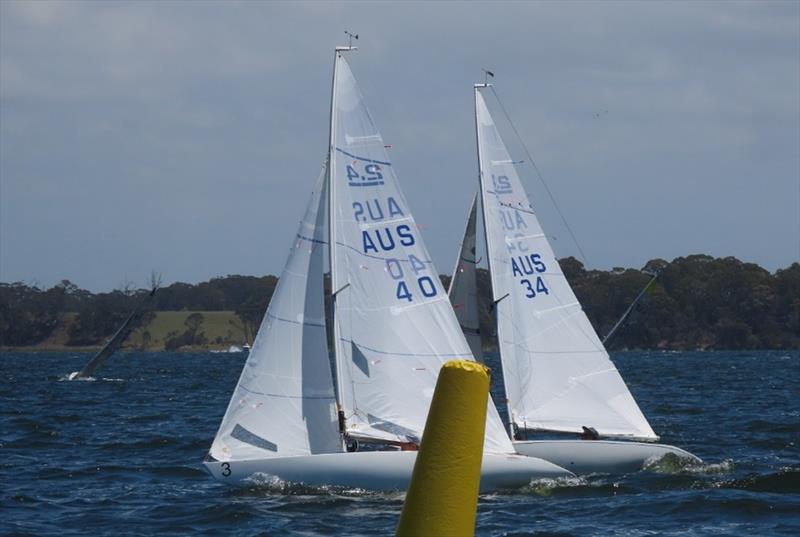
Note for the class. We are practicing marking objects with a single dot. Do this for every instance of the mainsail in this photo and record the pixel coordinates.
(284, 402)
(393, 324)
(558, 376)
(464, 285)
(119, 337)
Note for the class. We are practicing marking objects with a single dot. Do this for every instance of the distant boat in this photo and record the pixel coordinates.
(558, 376)
(116, 341)
(393, 329)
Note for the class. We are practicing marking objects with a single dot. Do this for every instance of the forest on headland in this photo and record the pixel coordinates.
(698, 302)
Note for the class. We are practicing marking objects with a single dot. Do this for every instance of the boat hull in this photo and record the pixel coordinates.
(375, 470)
(599, 456)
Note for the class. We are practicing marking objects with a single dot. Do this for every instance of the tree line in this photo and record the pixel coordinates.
(698, 302)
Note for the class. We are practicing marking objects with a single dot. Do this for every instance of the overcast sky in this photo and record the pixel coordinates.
(185, 137)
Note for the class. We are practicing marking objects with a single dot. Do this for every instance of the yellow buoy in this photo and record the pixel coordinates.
(442, 498)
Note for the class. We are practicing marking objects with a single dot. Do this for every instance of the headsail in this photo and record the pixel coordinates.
(557, 373)
(284, 402)
(394, 326)
(464, 285)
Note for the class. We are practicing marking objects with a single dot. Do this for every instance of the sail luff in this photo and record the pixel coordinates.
(497, 297)
(332, 241)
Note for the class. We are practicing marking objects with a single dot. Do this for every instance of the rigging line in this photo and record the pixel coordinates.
(539, 174)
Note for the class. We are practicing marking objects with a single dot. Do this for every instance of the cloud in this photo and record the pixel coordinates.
(186, 136)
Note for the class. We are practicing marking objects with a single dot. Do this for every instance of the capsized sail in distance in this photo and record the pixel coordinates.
(393, 324)
(284, 403)
(117, 339)
(558, 376)
(463, 290)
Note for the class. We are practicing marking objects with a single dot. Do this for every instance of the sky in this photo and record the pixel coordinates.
(185, 137)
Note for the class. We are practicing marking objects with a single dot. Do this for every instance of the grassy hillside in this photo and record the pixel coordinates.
(219, 329)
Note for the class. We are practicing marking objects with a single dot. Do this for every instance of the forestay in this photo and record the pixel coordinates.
(558, 375)
(464, 286)
(394, 326)
(284, 402)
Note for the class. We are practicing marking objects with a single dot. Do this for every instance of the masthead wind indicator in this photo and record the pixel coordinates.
(351, 36)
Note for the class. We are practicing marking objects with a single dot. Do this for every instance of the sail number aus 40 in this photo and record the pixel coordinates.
(529, 267)
(424, 284)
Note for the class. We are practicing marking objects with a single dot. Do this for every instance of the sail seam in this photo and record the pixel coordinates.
(363, 158)
(356, 250)
(406, 353)
(302, 323)
(279, 396)
(309, 239)
(368, 225)
(559, 307)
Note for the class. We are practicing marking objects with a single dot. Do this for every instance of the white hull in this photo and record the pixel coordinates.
(375, 470)
(599, 456)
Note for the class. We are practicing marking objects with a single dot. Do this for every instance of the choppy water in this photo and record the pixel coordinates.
(122, 456)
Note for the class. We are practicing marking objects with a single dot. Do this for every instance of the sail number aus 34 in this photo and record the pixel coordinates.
(529, 267)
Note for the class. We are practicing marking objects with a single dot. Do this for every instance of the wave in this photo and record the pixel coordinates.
(675, 464)
(785, 481)
(260, 483)
(73, 377)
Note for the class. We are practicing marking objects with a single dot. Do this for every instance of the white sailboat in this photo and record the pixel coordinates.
(393, 329)
(558, 376)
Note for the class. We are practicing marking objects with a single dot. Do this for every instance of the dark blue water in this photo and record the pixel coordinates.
(122, 456)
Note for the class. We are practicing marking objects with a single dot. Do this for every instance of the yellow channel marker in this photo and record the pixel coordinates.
(442, 498)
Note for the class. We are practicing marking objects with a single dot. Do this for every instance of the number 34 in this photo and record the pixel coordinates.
(540, 287)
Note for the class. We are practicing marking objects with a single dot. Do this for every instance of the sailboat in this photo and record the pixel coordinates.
(128, 326)
(558, 376)
(393, 328)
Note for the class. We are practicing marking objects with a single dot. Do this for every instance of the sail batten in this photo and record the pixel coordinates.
(558, 375)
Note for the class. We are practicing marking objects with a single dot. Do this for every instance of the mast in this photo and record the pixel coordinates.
(482, 187)
(332, 241)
